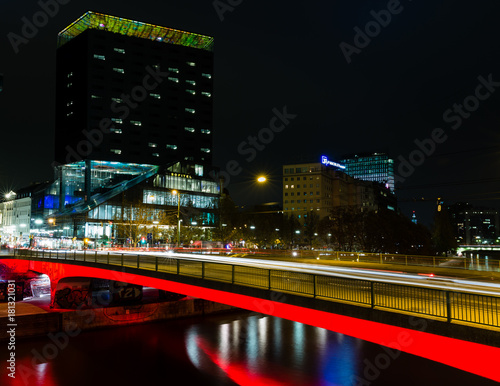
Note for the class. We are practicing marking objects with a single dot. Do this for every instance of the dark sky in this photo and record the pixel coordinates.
(283, 53)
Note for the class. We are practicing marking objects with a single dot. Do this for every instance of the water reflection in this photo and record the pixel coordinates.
(245, 349)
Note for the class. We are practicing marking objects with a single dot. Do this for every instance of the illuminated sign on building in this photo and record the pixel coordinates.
(326, 161)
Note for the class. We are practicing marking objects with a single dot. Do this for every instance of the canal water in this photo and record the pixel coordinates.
(232, 349)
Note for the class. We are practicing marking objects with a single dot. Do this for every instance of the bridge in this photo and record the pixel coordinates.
(478, 247)
(457, 325)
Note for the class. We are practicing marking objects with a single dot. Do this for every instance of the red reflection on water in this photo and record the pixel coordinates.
(237, 372)
(26, 374)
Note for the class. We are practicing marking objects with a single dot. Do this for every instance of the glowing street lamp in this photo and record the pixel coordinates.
(261, 179)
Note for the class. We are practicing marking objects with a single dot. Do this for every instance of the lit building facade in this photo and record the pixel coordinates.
(319, 187)
(15, 217)
(474, 225)
(376, 167)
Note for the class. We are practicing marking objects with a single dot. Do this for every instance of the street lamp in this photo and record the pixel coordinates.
(175, 192)
(261, 179)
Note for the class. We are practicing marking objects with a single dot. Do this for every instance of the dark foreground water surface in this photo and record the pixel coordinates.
(241, 349)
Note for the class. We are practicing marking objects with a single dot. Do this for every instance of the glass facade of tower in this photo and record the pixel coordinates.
(377, 167)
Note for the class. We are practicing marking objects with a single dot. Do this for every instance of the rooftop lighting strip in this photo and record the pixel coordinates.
(138, 29)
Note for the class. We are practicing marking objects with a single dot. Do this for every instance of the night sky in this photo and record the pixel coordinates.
(395, 90)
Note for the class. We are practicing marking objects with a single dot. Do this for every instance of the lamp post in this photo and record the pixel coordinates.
(175, 192)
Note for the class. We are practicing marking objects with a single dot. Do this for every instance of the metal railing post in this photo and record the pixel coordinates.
(372, 292)
(107, 261)
(232, 274)
(314, 286)
(156, 263)
(380, 258)
(433, 261)
(202, 269)
(122, 259)
(50, 253)
(448, 306)
(95, 259)
(406, 259)
(138, 262)
(178, 267)
(269, 279)
(84, 255)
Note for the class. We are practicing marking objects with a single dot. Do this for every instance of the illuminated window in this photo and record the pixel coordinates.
(171, 78)
(172, 147)
(150, 144)
(156, 96)
(100, 57)
(116, 120)
(136, 123)
(191, 64)
(191, 82)
(208, 76)
(205, 131)
(156, 155)
(119, 70)
(116, 151)
(188, 110)
(95, 97)
(205, 150)
(117, 100)
(176, 70)
(120, 50)
(116, 131)
(190, 129)
(192, 92)
(207, 94)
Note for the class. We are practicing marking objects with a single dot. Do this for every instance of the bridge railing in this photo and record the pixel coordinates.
(476, 309)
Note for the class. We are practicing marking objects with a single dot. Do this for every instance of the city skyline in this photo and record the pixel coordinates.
(391, 95)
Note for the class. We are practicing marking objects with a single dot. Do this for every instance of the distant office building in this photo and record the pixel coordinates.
(377, 167)
(474, 225)
(319, 187)
(133, 92)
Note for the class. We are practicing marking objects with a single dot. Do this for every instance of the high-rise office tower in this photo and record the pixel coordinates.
(133, 131)
(377, 167)
(133, 92)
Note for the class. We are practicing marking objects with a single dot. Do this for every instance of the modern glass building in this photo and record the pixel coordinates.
(127, 202)
(133, 134)
(377, 167)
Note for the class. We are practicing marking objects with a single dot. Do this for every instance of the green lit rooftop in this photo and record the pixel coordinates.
(99, 21)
